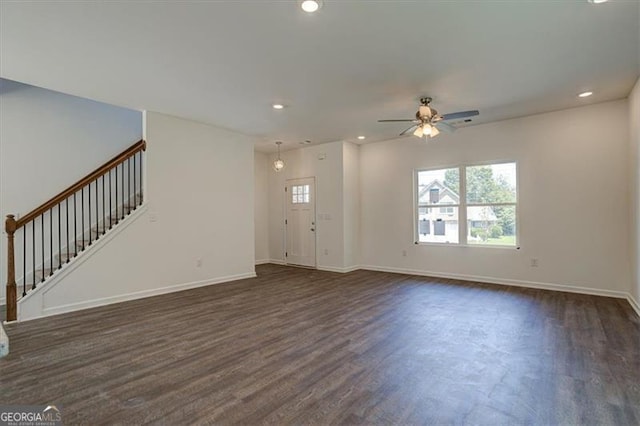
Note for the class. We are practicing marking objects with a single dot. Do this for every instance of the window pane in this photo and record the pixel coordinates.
(495, 183)
(437, 227)
(492, 225)
(437, 187)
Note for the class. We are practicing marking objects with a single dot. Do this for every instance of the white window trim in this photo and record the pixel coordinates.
(462, 207)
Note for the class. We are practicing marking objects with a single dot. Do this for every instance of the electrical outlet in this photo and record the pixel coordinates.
(153, 217)
(534, 262)
(326, 252)
(199, 262)
(404, 253)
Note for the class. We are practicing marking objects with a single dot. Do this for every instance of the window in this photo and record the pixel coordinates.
(484, 215)
(438, 188)
(300, 194)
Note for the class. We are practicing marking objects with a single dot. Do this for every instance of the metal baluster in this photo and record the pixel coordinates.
(33, 251)
(89, 188)
(117, 215)
(123, 202)
(135, 197)
(42, 236)
(97, 214)
(59, 236)
(110, 211)
(141, 185)
(82, 213)
(24, 260)
(129, 181)
(67, 227)
(51, 241)
(104, 216)
(75, 226)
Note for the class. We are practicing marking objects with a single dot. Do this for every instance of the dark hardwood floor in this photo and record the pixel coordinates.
(297, 346)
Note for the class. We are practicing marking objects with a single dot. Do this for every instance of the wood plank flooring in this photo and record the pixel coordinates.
(297, 346)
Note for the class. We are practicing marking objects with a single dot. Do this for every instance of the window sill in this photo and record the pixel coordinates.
(488, 246)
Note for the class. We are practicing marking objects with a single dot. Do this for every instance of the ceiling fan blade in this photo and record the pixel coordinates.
(391, 121)
(410, 129)
(461, 114)
(441, 125)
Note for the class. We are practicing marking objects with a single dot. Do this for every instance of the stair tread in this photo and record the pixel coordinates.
(96, 231)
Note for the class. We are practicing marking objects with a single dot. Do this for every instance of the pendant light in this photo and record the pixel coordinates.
(278, 165)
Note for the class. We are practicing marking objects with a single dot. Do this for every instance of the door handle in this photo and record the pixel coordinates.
(313, 229)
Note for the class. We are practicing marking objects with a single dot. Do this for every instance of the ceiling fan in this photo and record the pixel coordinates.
(428, 122)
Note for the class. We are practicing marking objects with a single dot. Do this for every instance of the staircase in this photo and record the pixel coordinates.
(43, 241)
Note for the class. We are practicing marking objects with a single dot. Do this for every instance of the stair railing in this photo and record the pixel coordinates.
(59, 229)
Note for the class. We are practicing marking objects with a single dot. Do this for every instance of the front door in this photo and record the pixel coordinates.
(301, 222)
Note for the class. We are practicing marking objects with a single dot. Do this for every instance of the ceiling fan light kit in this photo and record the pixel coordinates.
(429, 122)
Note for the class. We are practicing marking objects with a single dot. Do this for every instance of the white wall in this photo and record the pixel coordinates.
(573, 191)
(634, 124)
(49, 140)
(351, 203)
(306, 162)
(199, 205)
(261, 200)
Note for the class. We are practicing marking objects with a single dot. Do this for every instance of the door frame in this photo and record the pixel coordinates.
(315, 223)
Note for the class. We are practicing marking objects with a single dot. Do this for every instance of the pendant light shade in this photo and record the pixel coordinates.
(278, 165)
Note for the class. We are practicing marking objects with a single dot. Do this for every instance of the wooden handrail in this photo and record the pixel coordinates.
(141, 145)
(12, 225)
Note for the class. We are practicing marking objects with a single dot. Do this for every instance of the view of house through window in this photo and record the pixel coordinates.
(485, 215)
(438, 206)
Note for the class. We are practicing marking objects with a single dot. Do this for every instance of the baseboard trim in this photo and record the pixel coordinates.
(339, 270)
(501, 281)
(262, 261)
(634, 304)
(73, 307)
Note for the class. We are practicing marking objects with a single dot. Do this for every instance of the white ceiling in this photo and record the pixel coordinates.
(338, 71)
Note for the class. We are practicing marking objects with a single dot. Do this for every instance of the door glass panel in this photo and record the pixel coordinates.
(300, 194)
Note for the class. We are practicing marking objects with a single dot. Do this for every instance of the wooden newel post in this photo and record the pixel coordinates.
(10, 226)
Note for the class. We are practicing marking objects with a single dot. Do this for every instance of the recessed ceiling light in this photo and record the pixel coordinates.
(361, 137)
(597, 1)
(278, 106)
(310, 6)
(585, 94)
